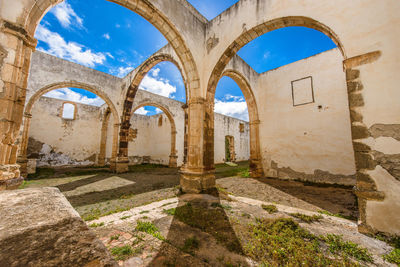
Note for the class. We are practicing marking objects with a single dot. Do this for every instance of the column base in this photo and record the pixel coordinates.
(10, 177)
(23, 166)
(120, 165)
(256, 169)
(196, 182)
(173, 161)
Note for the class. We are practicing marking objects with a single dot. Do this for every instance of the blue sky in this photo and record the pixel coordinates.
(112, 39)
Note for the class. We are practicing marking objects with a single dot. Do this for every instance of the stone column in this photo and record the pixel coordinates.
(119, 161)
(16, 47)
(22, 159)
(103, 138)
(173, 157)
(256, 169)
(196, 177)
(185, 137)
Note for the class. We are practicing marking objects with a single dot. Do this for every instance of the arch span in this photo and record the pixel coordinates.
(230, 52)
(28, 116)
(173, 156)
(134, 86)
(256, 169)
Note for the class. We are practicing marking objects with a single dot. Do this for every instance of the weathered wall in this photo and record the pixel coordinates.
(61, 141)
(310, 141)
(153, 142)
(230, 126)
(58, 142)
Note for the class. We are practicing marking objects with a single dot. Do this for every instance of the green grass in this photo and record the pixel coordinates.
(150, 228)
(337, 215)
(245, 173)
(94, 225)
(125, 217)
(144, 211)
(338, 246)
(393, 256)
(94, 214)
(145, 167)
(222, 206)
(170, 211)
(191, 244)
(282, 242)
(270, 208)
(42, 173)
(114, 237)
(122, 253)
(306, 218)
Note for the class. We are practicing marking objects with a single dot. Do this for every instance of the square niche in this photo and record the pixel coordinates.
(302, 91)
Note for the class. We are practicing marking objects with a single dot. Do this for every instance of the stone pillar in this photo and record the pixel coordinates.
(16, 47)
(173, 161)
(185, 137)
(119, 163)
(173, 157)
(22, 159)
(103, 138)
(365, 189)
(256, 169)
(197, 177)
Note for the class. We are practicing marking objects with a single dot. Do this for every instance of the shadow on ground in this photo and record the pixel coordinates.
(200, 234)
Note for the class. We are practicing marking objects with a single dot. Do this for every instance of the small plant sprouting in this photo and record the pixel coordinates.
(270, 208)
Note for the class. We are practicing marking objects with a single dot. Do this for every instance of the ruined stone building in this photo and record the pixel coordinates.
(330, 118)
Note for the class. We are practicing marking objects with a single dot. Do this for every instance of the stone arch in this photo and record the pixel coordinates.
(28, 115)
(259, 30)
(366, 189)
(256, 169)
(150, 13)
(172, 157)
(168, 29)
(134, 86)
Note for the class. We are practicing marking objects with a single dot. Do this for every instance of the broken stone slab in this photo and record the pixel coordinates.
(39, 227)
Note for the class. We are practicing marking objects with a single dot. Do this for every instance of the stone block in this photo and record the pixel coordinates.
(39, 227)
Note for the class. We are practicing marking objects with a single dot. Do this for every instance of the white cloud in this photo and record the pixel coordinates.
(266, 55)
(68, 50)
(109, 55)
(123, 71)
(233, 98)
(236, 109)
(69, 95)
(66, 15)
(158, 111)
(155, 72)
(141, 111)
(157, 86)
(107, 36)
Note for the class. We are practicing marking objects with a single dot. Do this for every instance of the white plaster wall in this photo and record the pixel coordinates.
(78, 139)
(152, 140)
(224, 126)
(308, 137)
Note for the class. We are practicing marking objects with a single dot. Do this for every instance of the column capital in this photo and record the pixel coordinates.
(255, 122)
(196, 101)
(27, 115)
(20, 32)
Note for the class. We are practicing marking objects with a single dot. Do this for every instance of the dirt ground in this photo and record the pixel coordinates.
(143, 219)
(96, 191)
